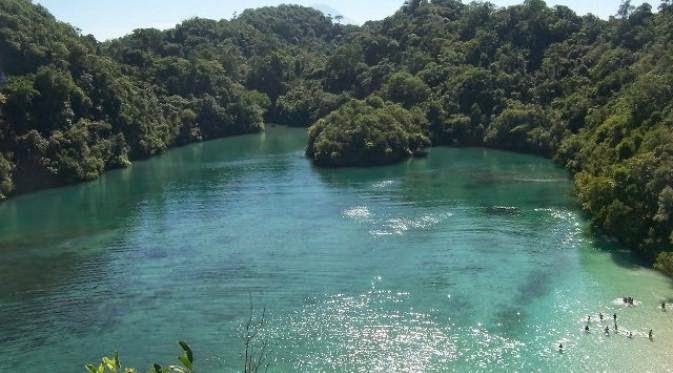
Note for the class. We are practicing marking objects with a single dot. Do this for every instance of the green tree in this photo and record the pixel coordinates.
(406, 89)
(6, 183)
(366, 133)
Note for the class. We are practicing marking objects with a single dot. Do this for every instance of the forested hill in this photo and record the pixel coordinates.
(595, 95)
(73, 107)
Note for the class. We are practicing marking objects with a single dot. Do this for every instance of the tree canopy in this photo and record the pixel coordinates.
(367, 132)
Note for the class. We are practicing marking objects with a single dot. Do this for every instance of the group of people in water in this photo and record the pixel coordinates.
(629, 301)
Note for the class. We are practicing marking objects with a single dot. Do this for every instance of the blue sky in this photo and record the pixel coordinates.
(113, 18)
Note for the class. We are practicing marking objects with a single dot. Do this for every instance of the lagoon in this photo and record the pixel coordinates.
(467, 260)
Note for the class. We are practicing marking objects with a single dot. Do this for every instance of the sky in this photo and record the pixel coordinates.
(107, 19)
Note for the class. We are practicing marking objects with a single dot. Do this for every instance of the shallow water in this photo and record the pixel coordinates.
(467, 260)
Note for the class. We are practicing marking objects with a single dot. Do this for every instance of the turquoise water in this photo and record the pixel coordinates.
(467, 260)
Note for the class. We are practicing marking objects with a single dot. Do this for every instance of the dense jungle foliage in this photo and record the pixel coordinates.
(595, 95)
(367, 133)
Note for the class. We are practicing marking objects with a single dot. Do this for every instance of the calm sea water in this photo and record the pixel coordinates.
(467, 260)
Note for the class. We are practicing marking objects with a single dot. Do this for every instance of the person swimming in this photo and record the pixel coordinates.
(560, 347)
(663, 306)
(630, 335)
(607, 330)
(586, 329)
(600, 316)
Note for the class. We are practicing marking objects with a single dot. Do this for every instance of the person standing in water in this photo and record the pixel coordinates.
(586, 329)
(588, 319)
(600, 316)
(607, 330)
(651, 334)
(560, 348)
(663, 306)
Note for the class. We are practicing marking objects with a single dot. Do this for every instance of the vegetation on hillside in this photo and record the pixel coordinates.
(596, 95)
(72, 107)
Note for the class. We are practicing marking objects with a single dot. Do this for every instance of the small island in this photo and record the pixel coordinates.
(365, 133)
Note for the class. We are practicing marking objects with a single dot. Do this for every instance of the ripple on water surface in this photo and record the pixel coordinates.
(379, 331)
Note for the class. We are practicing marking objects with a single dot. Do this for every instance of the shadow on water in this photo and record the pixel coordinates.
(512, 316)
(621, 255)
(355, 177)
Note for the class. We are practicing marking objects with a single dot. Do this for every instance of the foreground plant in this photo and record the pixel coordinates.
(114, 365)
